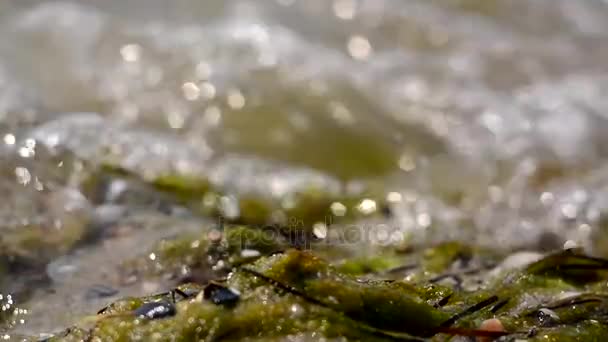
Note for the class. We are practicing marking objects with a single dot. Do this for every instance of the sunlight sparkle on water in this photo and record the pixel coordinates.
(191, 91)
(9, 139)
(130, 52)
(367, 206)
(235, 99)
(23, 175)
(345, 9)
(359, 47)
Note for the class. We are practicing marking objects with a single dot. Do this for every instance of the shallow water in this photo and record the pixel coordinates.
(481, 121)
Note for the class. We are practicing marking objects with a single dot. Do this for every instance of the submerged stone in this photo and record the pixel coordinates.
(241, 188)
(100, 291)
(47, 215)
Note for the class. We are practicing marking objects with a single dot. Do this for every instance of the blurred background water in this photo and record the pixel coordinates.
(476, 120)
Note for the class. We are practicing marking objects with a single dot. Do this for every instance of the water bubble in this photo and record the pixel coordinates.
(29, 148)
(235, 99)
(250, 253)
(407, 162)
(340, 113)
(191, 91)
(229, 206)
(570, 244)
(338, 209)
(394, 197)
(423, 220)
(359, 47)
(23, 175)
(176, 120)
(206, 90)
(212, 116)
(345, 9)
(547, 198)
(367, 206)
(319, 229)
(203, 70)
(130, 52)
(9, 139)
(569, 210)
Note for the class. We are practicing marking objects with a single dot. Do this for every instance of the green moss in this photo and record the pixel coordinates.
(374, 264)
(379, 304)
(358, 311)
(296, 293)
(122, 306)
(207, 255)
(37, 244)
(572, 266)
(439, 258)
(306, 206)
(183, 186)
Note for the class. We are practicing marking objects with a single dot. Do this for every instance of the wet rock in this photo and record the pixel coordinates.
(518, 260)
(100, 291)
(61, 269)
(241, 188)
(46, 216)
(155, 310)
(301, 293)
(108, 215)
(221, 295)
(203, 256)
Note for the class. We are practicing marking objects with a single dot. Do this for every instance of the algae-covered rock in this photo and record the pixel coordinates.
(42, 238)
(241, 188)
(311, 299)
(204, 256)
(296, 293)
(218, 248)
(46, 215)
(379, 304)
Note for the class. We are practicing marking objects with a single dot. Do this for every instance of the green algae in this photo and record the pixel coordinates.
(207, 255)
(267, 311)
(381, 305)
(284, 293)
(251, 189)
(572, 266)
(36, 244)
(299, 209)
(297, 293)
(44, 216)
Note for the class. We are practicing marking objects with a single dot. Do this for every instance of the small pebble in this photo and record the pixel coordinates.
(547, 317)
(221, 295)
(154, 310)
(492, 324)
(99, 291)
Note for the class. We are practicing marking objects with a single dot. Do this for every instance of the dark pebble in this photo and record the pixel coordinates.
(221, 295)
(186, 292)
(154, 310)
